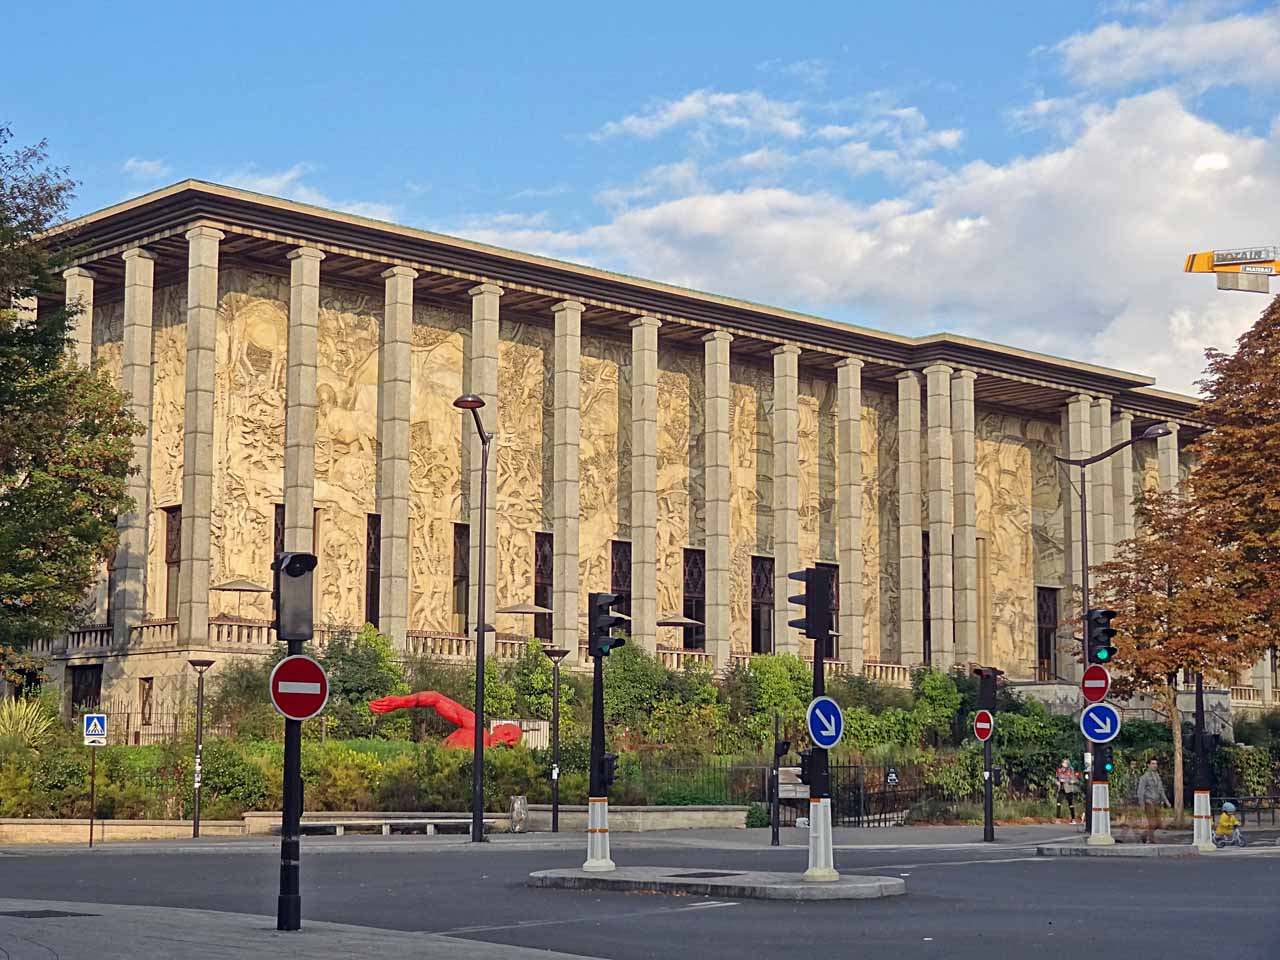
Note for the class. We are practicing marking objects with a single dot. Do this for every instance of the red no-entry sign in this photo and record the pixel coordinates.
(984, 724)
(299, 687)
(1095, 683)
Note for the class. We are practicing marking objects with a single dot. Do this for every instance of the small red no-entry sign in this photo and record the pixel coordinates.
(299, 687)
(1095, 683)
(984, 724)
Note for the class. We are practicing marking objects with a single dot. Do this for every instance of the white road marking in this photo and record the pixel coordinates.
(520, 925)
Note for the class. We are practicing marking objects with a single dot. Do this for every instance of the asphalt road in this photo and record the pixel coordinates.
(962, 902)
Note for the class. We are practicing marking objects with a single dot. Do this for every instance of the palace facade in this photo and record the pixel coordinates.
(296, 369)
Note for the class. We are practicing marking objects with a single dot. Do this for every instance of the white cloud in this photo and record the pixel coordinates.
(1075, 251)
(142, 169)
(813, 72)
(749, 112)
(1184, 45)
(288, 183)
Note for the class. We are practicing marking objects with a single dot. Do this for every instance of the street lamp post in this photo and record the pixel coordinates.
(556, 656)
(470, 401)
(200, 666)
(1151, 433)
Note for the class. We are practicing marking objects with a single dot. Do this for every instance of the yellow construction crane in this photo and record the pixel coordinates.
(1242, 268)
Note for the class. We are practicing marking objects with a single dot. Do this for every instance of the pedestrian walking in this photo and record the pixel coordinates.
(1152, 798)
(1068, 789)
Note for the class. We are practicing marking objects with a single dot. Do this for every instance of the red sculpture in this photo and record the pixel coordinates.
(464, 737)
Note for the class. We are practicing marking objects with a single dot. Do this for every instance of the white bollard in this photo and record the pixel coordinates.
(598, 860)
(1202, 822)
(1101, 834)
(822, 867)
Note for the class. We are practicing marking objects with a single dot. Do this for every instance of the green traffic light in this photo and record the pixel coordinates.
(1103, 653)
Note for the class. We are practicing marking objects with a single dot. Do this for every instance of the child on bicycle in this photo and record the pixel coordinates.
(1227, 829)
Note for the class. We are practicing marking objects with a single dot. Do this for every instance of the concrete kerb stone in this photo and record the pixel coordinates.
(1132, 850)
(738, 884)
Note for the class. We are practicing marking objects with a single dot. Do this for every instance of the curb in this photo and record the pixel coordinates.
(1127, 850)
(744, 884)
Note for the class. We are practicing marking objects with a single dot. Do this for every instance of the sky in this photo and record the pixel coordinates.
(1030, 173)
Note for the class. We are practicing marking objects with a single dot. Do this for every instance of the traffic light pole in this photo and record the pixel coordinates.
(1084, 636)
(988, 800)
(821, 855)
(598, 859)
(1202, 814)
(289, 903)
(775, 811)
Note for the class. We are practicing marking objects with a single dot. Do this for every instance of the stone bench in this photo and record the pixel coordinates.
(427, 825)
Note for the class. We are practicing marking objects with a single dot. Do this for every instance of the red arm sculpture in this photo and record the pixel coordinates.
(450, 710)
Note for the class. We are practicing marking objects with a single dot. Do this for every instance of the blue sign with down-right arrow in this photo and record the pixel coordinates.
(826, 722)
(1100, 722)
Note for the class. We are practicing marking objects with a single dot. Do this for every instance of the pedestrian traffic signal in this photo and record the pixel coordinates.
(292, 593)
(781, 748)
(1099, 636)
(818, 621)
(608, 769)
(601, 621)
(1103, 762)
(806, 766)
(988, 678)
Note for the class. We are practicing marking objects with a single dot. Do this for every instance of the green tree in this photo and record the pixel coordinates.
(362, 667)
(66, 439)
(533, 677)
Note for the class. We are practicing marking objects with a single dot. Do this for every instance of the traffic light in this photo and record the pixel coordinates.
(781, 748)
(988, 677)
(292, 592)
(806, 766)
(601, 622)
(1099, 636)
(1103, 762)
(817, 623)
(608, 769)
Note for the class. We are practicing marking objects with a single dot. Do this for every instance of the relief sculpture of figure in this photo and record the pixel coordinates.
(450, 710)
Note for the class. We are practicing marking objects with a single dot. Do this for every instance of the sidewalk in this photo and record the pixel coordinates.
(109, 932)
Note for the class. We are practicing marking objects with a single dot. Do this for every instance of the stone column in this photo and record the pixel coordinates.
(300, 402)
(130, 603)
(1102, 532)
(852, 639)
(963, 426)
(1122, 477)
(1078, 442)
(644, 482)
(482, 380)
(910, 541)
(1167, 453)
(395, 389)
(195, 552)
(80, 291)
(786, 493)
(1262, 678)
(941, 514)
(565, 511)
(716, 457)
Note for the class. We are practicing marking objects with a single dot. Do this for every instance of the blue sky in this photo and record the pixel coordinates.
(1032, 173)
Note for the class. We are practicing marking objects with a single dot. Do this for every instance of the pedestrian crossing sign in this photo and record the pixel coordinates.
(95, 729)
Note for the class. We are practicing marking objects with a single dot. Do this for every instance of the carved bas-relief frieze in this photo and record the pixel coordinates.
(881, 596)
(750, 489)
(681, 502)
(168, 403)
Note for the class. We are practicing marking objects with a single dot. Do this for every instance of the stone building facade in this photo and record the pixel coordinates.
(296, 370)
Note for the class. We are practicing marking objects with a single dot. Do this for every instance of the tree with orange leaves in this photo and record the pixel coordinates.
(1177, 612)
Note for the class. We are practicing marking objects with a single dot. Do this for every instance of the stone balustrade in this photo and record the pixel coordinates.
(676, 658)
(93, 636)
(890, 674)
(154, 633)
(1246, 696)
(255, 636)
(440, 646)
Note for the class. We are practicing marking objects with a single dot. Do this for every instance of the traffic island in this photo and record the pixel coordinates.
(736, 884)
(1082, 849)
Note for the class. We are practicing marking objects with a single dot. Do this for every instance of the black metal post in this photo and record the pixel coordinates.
(477, 775)
(195, 819)
(93, 789)
(988, 802)
(820, 771)
(775, 801)
(555, 746)
(1084, 639)
(289, 903)
(597, 787)
(1202, 752)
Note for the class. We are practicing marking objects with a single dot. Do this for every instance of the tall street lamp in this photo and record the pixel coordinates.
(556, 655)
(1152, 432)
(469, 401)
(200, 666)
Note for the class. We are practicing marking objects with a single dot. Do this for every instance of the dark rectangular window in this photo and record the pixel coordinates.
(833, 645)
(1046, 633)
(146, 687)
(86, 686)
(927, 606)
(461, 576)
(543, 582)
(620, 575)
(372, 567)
(762, 604)
(172, 559)
(111, 585)
(695, 598)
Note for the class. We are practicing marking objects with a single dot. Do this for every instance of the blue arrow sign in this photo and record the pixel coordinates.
(826, 722)
(1100, 722)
